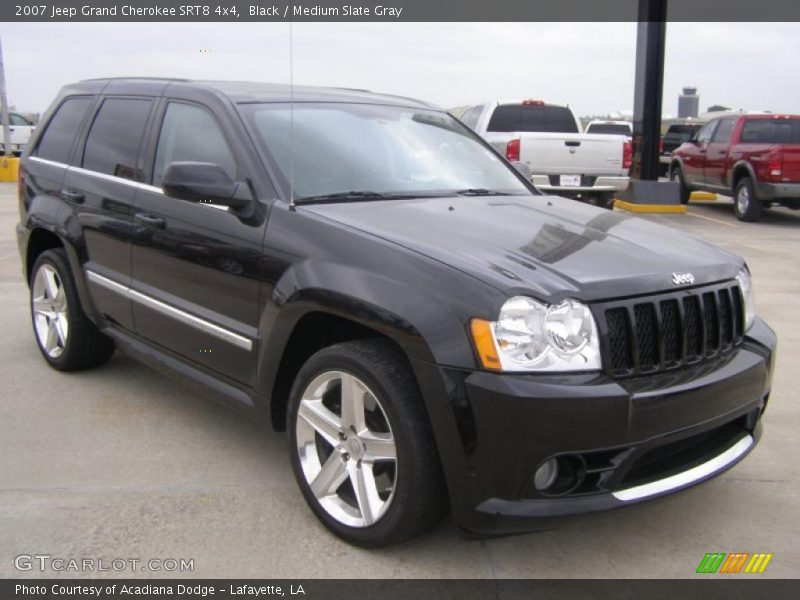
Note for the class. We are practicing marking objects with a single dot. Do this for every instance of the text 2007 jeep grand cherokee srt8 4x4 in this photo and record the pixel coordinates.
(366, 273)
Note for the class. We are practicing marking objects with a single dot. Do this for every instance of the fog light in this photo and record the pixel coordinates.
(546, 475)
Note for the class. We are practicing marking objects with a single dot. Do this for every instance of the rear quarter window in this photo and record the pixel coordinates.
(59, 134)
(112, 146)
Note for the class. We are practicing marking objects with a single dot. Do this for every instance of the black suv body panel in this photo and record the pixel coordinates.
(213, 297)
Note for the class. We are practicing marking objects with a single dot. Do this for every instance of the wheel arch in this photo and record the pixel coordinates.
(740, 170)
(42, 239)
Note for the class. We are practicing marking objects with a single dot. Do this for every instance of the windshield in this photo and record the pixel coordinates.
(338, 148)
(611, 128)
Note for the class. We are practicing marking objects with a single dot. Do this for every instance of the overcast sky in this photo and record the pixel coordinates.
(754, 66)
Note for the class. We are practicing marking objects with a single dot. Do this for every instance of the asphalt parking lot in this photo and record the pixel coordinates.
(121, 462)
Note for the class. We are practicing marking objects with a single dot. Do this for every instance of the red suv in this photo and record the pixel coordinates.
(754, 158)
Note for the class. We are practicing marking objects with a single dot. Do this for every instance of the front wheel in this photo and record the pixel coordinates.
(745, 204)
(361, 445)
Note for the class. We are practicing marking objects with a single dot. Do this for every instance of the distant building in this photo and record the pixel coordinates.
(688, 103)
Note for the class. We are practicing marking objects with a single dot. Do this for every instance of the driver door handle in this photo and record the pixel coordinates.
(150, 220)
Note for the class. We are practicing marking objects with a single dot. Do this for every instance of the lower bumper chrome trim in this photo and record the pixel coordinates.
(685, 478)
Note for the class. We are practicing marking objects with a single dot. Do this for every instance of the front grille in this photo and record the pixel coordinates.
(652, 334)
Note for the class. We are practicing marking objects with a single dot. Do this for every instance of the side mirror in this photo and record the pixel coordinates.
(204, 182)
(523, 170)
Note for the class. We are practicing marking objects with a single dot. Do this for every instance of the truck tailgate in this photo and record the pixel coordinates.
(578, 154)
(791, 163)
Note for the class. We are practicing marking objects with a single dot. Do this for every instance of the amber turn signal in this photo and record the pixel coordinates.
(483, 340)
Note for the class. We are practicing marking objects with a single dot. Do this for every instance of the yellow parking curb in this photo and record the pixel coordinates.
(9, 168)
(704, 196)
(649, 208)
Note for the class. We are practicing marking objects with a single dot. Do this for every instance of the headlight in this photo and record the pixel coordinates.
(531, 336)
(743, 277)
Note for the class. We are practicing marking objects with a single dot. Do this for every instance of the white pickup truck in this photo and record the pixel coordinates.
(546, 138)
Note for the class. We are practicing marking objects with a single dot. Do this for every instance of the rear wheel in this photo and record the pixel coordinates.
(745, 204)
(362, 448)
(676, 174)
(67, 339)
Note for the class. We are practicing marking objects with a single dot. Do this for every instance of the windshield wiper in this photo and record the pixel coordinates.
(353, 195)
(480, 192)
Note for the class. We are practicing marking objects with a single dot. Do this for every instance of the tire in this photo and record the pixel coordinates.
(67, 339)
(605, 200)
(745, 204)
(676, 174)
(400, 497)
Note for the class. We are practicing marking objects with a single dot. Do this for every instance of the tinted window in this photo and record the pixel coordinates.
(57, 140)
(518, 117)
(771, 131)
(723, 133)
(191, 133)
(685, 131)
(610, 128)
(113, 143)
(18, 120)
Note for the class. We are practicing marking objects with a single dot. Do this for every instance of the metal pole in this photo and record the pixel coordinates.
(4, 103)
(648, 88)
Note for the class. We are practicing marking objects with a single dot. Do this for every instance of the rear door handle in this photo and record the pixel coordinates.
(72, 196)
(572, 143)
(150, 220)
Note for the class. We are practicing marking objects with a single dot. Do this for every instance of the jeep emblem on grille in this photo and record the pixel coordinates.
(682, 278)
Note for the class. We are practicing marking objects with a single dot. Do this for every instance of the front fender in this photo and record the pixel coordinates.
(424, 325)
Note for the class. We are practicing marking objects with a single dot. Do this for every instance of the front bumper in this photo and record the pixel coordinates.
(631, 439)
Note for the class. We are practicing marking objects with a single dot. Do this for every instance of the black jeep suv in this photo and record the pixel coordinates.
(366, 273)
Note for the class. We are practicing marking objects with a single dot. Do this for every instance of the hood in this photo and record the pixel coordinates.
(545, 246)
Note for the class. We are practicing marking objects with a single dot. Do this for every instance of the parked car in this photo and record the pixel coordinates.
(20, 130)
(676, 134)
(428, 328)
(546, 139)
(610, 127)
(754, 158)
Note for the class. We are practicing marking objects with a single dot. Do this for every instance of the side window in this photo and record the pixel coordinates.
(704, 135)
(723, 133)
(59, 134)
(191, 133)
(112, 146)
(19, 120)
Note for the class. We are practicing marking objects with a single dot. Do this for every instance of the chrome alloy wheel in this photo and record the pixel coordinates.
(742, 199)
(49, 305)
(346, 448)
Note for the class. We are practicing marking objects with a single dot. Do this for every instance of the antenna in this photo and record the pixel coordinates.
(291, 106)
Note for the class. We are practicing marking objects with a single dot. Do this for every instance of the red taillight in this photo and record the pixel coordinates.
(512, 150)
(627, 154)
(775, 162)
(532, 103)
(661, 146)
